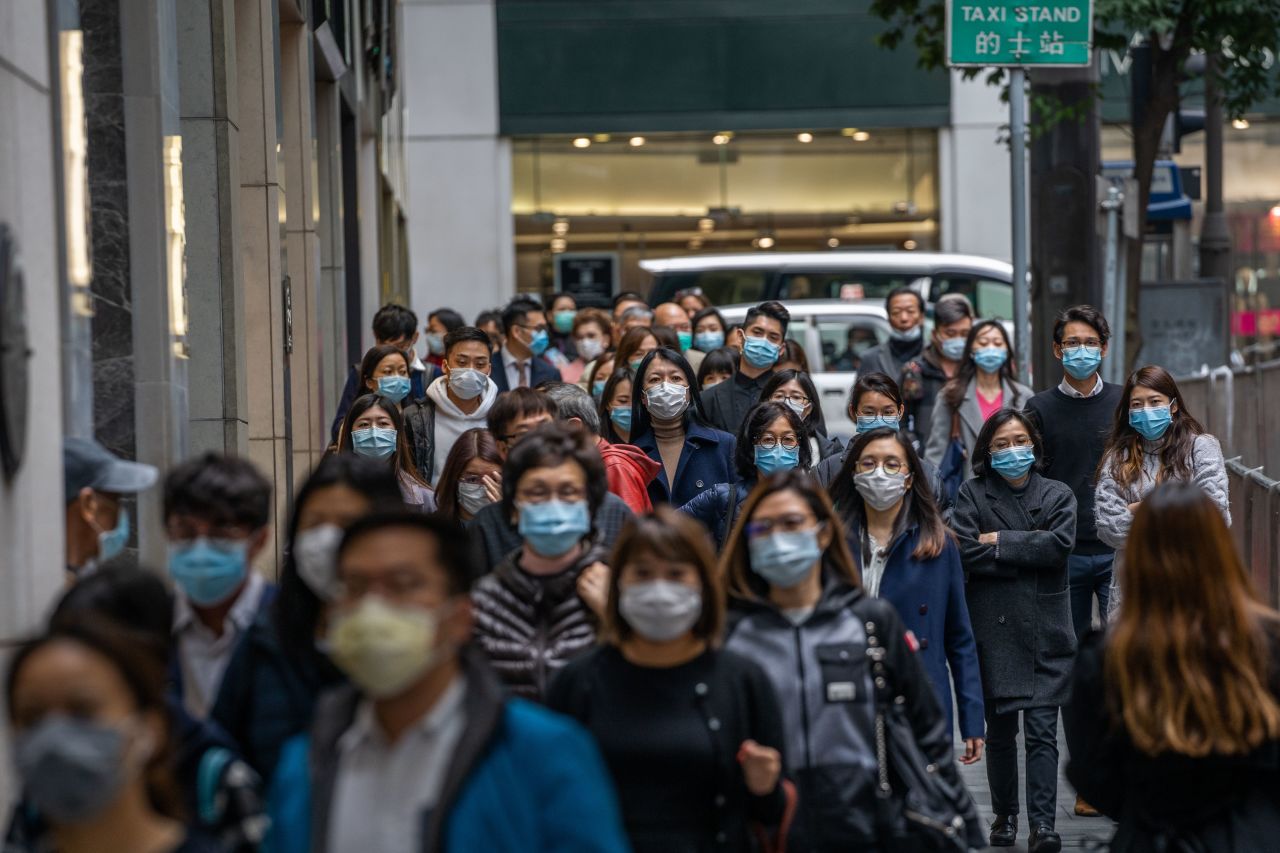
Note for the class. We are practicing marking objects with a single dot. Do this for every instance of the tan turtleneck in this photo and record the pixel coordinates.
(669, 436)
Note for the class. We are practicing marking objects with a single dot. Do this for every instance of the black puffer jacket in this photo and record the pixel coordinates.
(531, 626)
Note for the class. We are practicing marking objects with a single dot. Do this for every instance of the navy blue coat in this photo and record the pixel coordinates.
(929, 595)
(707, 459)
(712, 508)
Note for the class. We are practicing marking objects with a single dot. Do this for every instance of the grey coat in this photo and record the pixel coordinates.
(1016, 396)
(1017, 589)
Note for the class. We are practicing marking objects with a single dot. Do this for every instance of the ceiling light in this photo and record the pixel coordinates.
(559, 244)
(722, 138)
(805, 137)
(560, 228)
(706, 224)
(1240, 123)
(1275, 212)
(861, 136)
(636, 141)
(849, 131)
(910, 245)
(601, 137)
(765, 242)
(582, 142)
(833, 242)
(695, 244)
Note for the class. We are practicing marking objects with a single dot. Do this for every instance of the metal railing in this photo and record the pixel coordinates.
(1241, 406)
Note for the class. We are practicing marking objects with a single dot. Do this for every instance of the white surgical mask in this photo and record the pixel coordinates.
(667, 401)
(880, 489)
(660, 611)
(315, 554)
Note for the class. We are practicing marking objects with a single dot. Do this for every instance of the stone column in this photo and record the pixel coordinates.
(331, 302)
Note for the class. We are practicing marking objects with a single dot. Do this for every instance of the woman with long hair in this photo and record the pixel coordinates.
(374, 428)
(1016, 530)
(667, 423)
(1153, 440)
(984, 384)
(906, 555)
(795, 388)
(1174, 719)
(798, 610)
(691, 733)
(472, 476)
(634, 346)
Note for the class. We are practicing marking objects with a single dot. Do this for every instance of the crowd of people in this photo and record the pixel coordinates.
(574, 579)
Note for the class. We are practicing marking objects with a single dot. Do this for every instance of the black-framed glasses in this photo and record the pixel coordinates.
(769, 442)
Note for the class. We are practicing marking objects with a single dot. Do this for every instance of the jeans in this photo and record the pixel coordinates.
(1090, 575)
(1040, 736)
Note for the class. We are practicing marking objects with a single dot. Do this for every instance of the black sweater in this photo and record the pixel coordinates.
(670, 738)
(1075, 434)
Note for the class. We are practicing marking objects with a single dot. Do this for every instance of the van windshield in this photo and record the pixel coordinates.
(846, 284)
(721, 287)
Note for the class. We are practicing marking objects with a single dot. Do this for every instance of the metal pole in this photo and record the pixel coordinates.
(1114, 367)
(1018, 163)
(1215, 235)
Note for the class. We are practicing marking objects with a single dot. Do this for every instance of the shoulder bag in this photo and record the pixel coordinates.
(951, 470)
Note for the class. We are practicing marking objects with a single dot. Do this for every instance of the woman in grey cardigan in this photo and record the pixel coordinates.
(1015, 530)
(983, 385)
(1154, 440)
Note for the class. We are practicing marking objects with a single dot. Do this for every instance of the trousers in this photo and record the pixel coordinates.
(1040, 737)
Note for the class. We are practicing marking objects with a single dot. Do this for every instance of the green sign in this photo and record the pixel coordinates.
(1019, 32)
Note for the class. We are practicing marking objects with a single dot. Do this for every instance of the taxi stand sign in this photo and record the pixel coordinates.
(1043, 33)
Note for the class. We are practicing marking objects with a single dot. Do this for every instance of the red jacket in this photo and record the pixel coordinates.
(629, 471)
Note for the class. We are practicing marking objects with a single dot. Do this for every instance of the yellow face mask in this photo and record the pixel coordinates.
(384, 647)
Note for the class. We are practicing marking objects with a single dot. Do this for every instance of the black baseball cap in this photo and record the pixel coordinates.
(87, 464)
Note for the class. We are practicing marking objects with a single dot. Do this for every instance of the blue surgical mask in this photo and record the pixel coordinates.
(1013, 463)
(1081, 362)
(760, 353)
(394, 388)
(953, 348)
(990, 359)
(777, 458)
(1151, 423)
(686, 340)
(784, 559)
(374, 442)
(112, 542)
(554, 527)
(867, 424)
(621, 417)
(597, 388)
(539, 342)
(707, 341)
(563, 321)
(435, 343)
(912, 334)
(208, 571)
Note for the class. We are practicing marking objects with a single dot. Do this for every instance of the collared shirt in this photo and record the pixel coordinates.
(384, 791)
(204, 656)
(1066, 388)
(873, 571)
(511, 364)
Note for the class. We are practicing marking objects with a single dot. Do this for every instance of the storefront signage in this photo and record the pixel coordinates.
(591, 278)
(1019, 33)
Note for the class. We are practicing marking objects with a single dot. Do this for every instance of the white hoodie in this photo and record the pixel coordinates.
(452, 422)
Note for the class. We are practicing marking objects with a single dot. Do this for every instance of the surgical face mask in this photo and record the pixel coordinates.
(597, 388)
(866, 424)
(112, 542)
(686, 340)
(777, 458)
(539, 342)
(1081, 362)
(1152, 423)
(384, 647)
(879, 488)
(467, 383)
(554, 527)
(912, 334)
(798, 408)
(635, 363)
(760, 353)
(621, 417)
(208, 571)
(589, 348)
(563, 321)
(667, 401)
(435, 343)
(1013, 463)
(708, 341)
(315, 553)
(374, 442)
(660, 611)
(953, 348)
(72, 768)
(473, 497)
(990, 359)
(394, 388)
(784, 559)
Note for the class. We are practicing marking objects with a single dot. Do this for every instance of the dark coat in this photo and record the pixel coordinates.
(1017, 590)
(1170, 802)
(712, 508)
(707, 459)
(725, 405)
(938, 430)
(540, 370)
(929, 596)
(530, 627)
(496, 537)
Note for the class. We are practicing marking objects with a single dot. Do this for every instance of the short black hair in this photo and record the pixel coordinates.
(133, 598)
(951, 308)
(374, 357)
(448, 318)
(625, 296)
(455, 549)
(462, 335)
(722, 360)
(393, 322)
(486, 317)
(899, 291)
(874, 383)
(772, 309)
(220, 489)
(1087, 314)
(516, 404)
(710, 312)
(756, 422)
(516, 310)
(982, 447)
(548, 446)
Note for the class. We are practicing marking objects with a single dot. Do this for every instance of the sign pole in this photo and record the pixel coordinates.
(1021, 249)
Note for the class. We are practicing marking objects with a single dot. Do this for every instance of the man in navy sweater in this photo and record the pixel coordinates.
(1075, 417)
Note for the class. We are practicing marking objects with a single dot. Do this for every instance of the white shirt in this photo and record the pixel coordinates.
(873, 571)
(383, 790)
(511, 365)
(202, 656)
(1066, 388)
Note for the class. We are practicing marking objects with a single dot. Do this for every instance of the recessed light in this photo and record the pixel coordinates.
(582, 142)
(601, 137)
(722, 138)
(910, 245)
(765, 242)
(636, 141)
(1240, 123)
(861, 136)
(832, 242)
(706, 224)
(805, 137)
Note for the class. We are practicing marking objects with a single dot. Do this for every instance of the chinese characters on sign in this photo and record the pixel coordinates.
(1018, 32)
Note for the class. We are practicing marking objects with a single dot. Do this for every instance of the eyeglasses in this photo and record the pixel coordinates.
(541, 327)
(541, 495)
(782, 524)
(396, 585)
(769, 442)
(794, 397)
(890, 466)
(1072, 343)
(1005, 444)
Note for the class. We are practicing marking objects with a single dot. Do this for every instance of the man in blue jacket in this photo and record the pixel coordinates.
(424, 751)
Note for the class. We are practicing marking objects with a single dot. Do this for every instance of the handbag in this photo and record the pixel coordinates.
(918, 807)
(951, 471)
